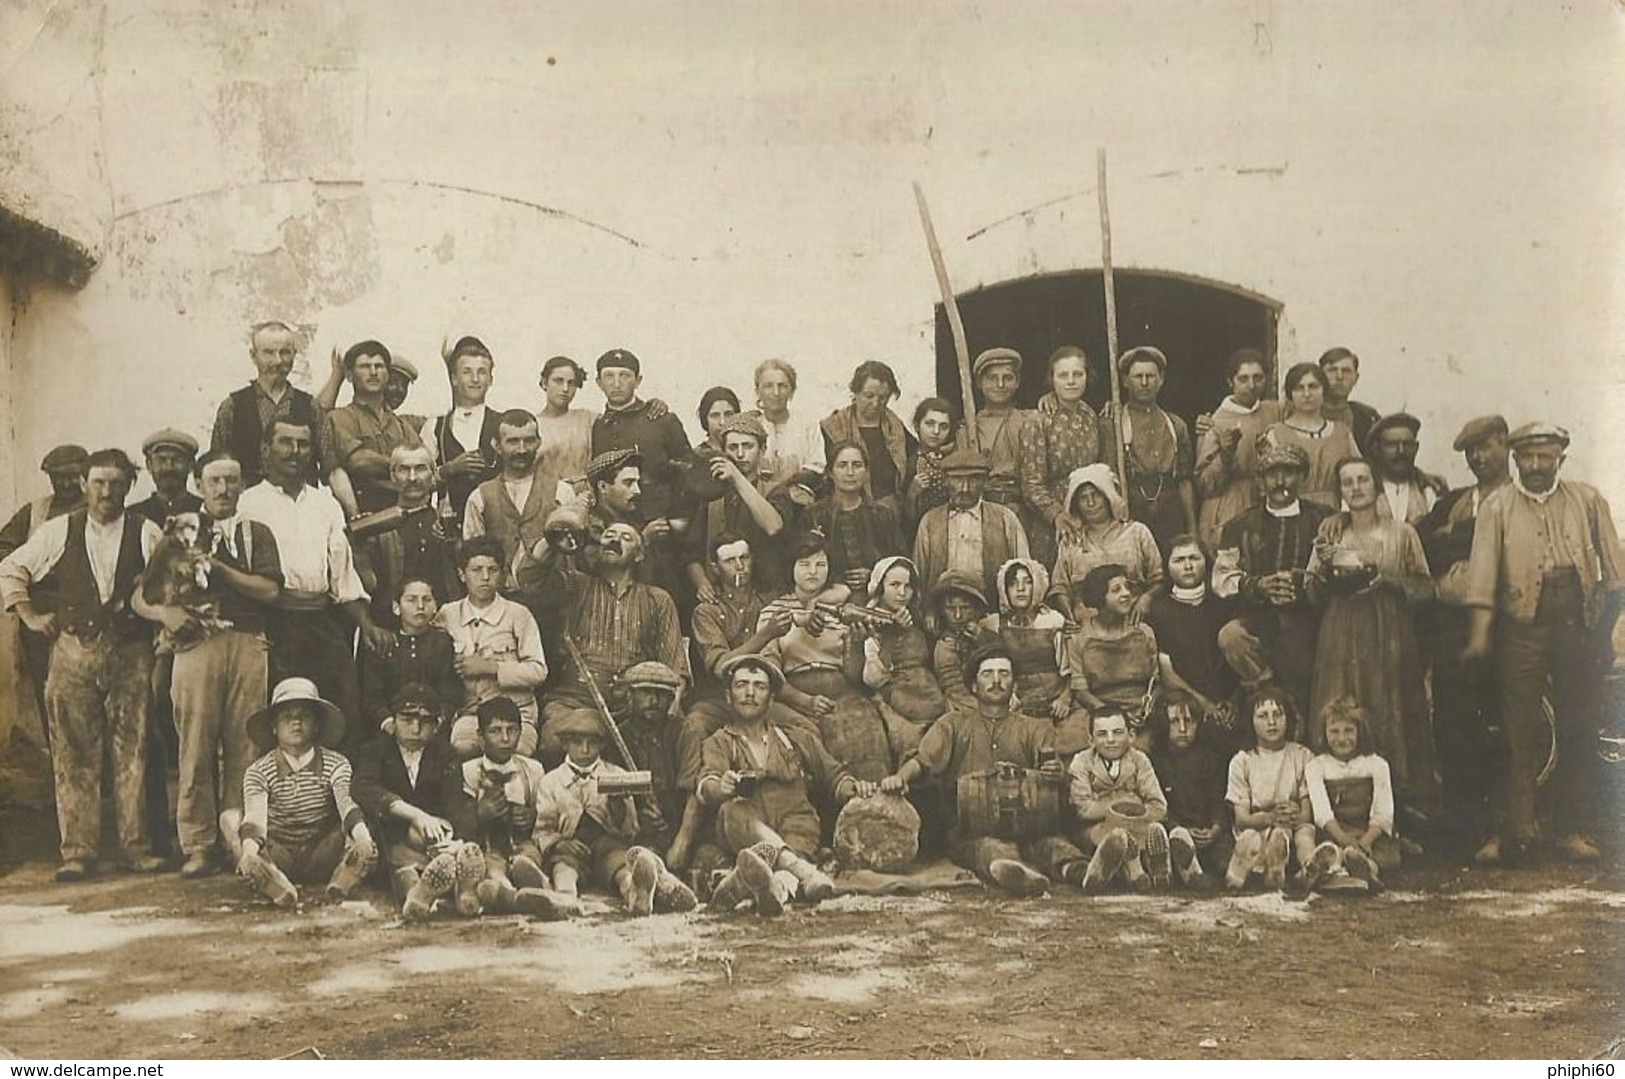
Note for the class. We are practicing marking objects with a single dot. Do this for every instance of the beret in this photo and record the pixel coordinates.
(64, 457)
(606, 464)
(1539, 432)
(172, 439)
(993, 356)
(744, 423)
(1476, 431)
(619, 357)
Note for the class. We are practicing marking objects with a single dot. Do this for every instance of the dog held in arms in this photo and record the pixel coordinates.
(177, 575)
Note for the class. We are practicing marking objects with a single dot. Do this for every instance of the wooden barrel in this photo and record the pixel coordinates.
(1008, 803)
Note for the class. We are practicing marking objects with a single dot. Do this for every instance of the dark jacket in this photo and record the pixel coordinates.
(380, 780)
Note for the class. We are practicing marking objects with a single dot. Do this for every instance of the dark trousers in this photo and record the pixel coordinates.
(1466, 728)
(1560, 647)
(320, 646)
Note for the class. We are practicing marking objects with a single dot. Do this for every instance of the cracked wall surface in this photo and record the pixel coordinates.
(1440, 188)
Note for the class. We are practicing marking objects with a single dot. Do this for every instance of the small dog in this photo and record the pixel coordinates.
(177, 575)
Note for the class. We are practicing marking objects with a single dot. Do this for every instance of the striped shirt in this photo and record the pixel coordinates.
(293, 807)
(616, 627)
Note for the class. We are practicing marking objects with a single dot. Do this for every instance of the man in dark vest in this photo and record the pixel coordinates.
(220, 673)
(65, 466)
(463, 441)
(242, 422)
(512, 507)
(170, 454)
(101, 663)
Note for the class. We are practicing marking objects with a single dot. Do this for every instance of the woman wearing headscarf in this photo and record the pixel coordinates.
(1101, 533)
(897, 656)
(1033, 632)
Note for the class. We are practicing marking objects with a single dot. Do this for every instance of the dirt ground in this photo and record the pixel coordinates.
(1450, 963)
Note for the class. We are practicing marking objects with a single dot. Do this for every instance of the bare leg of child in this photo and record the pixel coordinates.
(1277, 851)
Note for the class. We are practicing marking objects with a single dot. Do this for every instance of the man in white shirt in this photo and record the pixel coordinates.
(463, 441)
(793, 442)
(313, 621)
(101, 662)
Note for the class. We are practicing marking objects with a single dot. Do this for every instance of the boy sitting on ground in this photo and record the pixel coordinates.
(1120, 809)
(494, 806)
(299, 823)
(402, 781)
(582, 831)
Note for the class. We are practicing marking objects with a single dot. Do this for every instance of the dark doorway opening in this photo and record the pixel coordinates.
(1197, 323)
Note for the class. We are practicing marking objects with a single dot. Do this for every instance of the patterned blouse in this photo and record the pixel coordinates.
(1051, 446)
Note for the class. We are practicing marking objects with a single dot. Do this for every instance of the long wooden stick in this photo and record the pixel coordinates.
(605, 716)
(1111, 315)
(967, 430)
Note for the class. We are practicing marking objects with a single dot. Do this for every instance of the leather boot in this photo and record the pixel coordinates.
(359, 860)
(672, 896)
(813, 883)
(1277, 850)
(470, 871)
(270, 881)
(1108, 859)
(525, 873)
(645, 870)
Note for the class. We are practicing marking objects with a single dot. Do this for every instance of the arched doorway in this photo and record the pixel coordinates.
(1198, 323)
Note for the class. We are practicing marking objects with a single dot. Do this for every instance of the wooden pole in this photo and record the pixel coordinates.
(967, 430)
(1111, 317)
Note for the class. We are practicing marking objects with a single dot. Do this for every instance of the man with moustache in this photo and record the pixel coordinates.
(1263, 555)
(463, 441)
(1465, 723)
(415, 548)
(220, 678)
(1407, 493)
(512, 507)
(1156, 449)
(630, 423)
(170, 455)
(100, 683)
(616, 481)
(1544, 585)
(357, 439)
(242, 422)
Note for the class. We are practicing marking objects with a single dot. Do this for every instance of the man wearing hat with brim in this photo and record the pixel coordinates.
(1544, 585)
(403, 373)
(1262, 560)
(744, 509)
(1464, 713)
(969, 534)
(584, 832)
(761, 779)
(629, 424)
(170, 455)
(1157, 448)
(299, 823)
(1406, 493)
(64, 466)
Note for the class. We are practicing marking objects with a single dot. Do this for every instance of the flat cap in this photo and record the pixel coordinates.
(606, 464)
(1143, 354)
(171, 439)
(619, 357)
(995, 356)
(1393, 419)
(744, 423)
(404, 366)
(1475, 431)
(416, 697)
(1538, 432)
(965, 459)
(579, 723)
(775, 676)
(1272, 454)
(64, 457)
(650, 673)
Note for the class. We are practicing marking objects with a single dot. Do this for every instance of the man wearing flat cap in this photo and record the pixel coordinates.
(969, 534)
(1262, 560)
(25, 650)
(1406, 493)
(616, 482)
(629, 423)
(1464, 714)
(170, 455)
(1157, 449)
(1001, 428)
(744, 509)
(1544, 584)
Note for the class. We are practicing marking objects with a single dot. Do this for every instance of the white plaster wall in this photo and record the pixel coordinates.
(1438, 186)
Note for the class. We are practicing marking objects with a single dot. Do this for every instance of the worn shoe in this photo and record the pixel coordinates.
(470, 872)
(1156, 857)
(359, 860)
(727, 893)
(1243, 860)
(1017, 879)
(1578, 848)
(813, 885)
(1361, 867)
(525, 873)
(1182, 854)
(270, 881)
(74, 870)
(1277, 850)
(1074, 871)
(1309, 877)
(539, 903)
(1489, 853)
(757, 877)
(640, 899)
(672, 896)
(147, 863)
(1107, 862)
(199, 864)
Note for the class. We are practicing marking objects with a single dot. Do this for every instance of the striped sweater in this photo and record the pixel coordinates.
(294, 807)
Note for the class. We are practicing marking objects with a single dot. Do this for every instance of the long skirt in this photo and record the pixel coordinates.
(854, 733)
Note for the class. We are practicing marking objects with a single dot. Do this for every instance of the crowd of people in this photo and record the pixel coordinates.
(493, 657)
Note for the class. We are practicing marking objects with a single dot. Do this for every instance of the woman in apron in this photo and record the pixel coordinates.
(897, 657)
(1033, 633)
